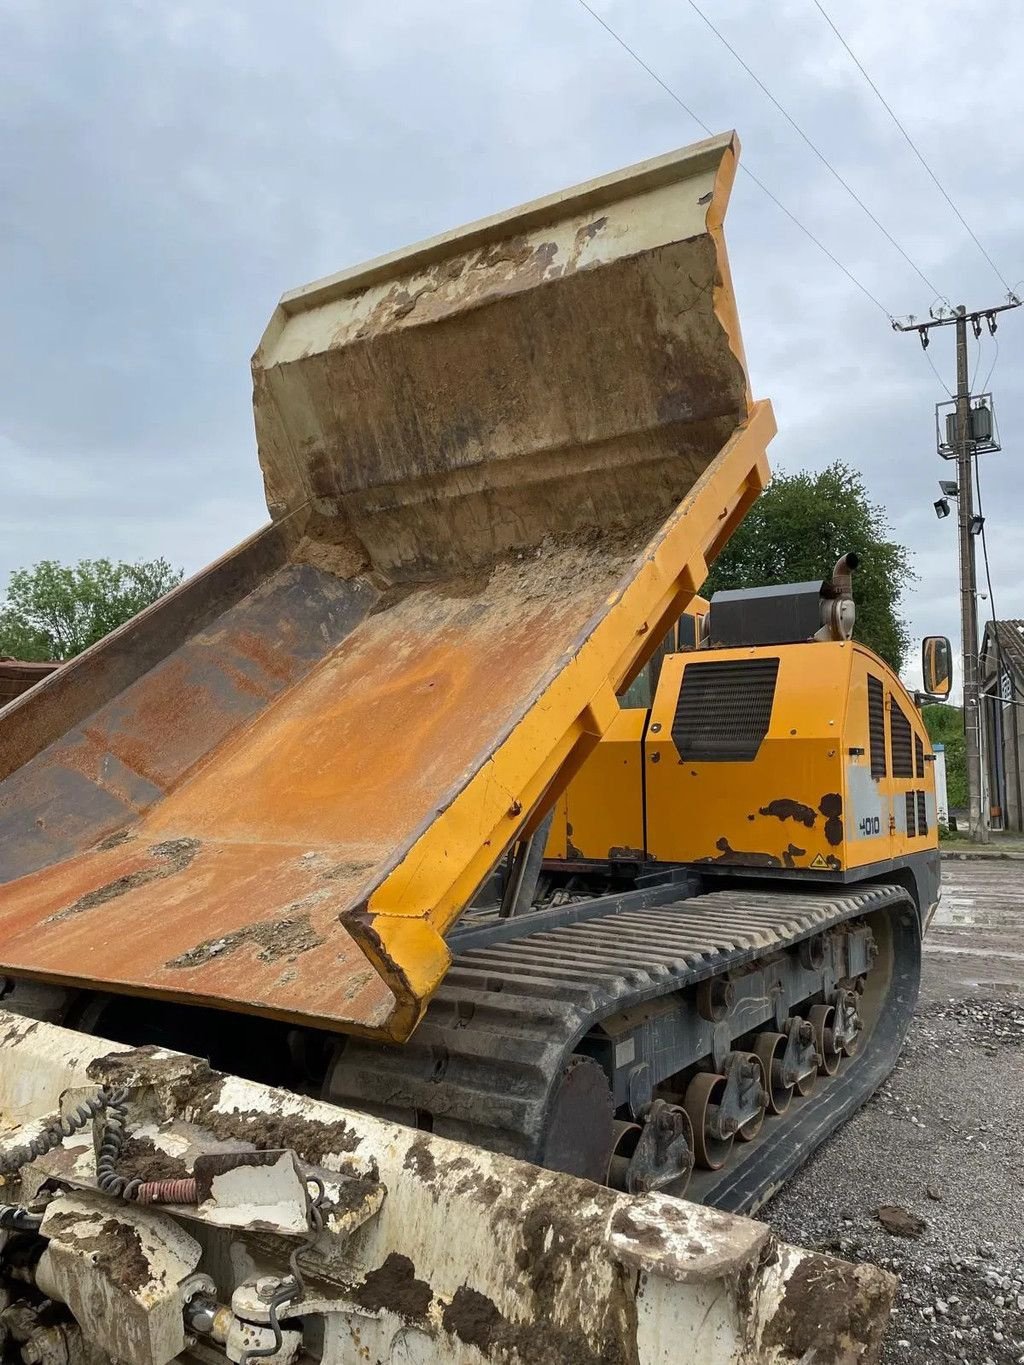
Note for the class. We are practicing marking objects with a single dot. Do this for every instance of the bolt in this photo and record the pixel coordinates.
(200, 1314)
(266, 1287)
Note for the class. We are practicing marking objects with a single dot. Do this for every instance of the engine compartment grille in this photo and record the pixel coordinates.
(724, 709)
(900, 742)
(876, 726)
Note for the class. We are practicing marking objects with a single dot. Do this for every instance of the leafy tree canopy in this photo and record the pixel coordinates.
(54, 611)
(797, 530)
(945, 725)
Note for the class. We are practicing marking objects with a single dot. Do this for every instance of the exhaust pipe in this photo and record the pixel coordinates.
(838, 611)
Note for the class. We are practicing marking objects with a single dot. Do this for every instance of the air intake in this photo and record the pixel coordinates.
(724, 710)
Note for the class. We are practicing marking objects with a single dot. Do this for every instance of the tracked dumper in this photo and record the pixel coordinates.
(377, 809)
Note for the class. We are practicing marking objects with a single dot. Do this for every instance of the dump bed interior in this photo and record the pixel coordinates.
(497, 464)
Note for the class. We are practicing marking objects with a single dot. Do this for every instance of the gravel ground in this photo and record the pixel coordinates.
(942, 1141)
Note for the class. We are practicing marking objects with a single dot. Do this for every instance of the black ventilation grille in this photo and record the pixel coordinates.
(724, 710)
(911, 815)
(900, 742)
(922, 814)
(918, 757)
(876, 726)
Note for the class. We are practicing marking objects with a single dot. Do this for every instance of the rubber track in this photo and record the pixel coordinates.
(507, 1017)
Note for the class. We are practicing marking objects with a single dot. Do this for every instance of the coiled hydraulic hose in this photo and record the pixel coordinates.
(113, 1104)
(57, 1128)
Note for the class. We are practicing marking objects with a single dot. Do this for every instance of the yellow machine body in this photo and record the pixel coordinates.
(806, 757)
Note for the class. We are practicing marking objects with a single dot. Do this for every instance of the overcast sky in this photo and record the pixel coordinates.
(168, 169)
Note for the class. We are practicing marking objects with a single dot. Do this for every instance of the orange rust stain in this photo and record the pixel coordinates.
(159, 709)
(365, 748)
(129, 941)
(274, 661)
(172, 717)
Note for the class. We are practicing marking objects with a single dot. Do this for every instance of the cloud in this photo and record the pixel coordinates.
(172, 169)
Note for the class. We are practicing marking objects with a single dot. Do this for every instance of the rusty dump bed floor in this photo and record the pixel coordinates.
(498, 465)
(350, 756)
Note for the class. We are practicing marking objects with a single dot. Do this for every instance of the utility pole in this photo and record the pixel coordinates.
(965, 436)
(978, 814)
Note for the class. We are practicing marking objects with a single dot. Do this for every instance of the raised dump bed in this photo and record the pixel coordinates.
(497, 465)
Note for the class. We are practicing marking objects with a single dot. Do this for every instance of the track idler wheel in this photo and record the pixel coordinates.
(770, 1051)
(578, 1134)
(821, 1019)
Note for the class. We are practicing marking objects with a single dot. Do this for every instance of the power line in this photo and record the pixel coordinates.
(984, 541)
(988, 580)
(991, 368)
(744, 168)
(945, 387)
(816, 150)
(912, 145)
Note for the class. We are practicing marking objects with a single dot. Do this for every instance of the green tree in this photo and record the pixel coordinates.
(54, 611)
(945, 725)
(797, 530)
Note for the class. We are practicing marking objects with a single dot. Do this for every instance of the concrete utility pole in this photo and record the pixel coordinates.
(963, 447)
(977, 814)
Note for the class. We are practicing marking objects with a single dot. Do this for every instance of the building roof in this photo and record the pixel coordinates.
(17, 676)
(1010, 637)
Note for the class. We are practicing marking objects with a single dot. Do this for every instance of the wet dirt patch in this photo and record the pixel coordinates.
(394, 1286)
(184, 1080)
(115, 840)
(265, 1131)
(115, 1248)
(474, 1319)
(349, 1197)
(648, 1237)
(478, 1321)
(849, 1309)
(420, 1158)
(141, 1159)
(276, 939)
(174, 855)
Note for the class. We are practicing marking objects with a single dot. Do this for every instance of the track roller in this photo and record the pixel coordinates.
(626, 1136)
(711, 1144)
(821, 1019)
(770, 1051)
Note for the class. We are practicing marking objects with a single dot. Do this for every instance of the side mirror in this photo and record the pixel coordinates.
(937, 665)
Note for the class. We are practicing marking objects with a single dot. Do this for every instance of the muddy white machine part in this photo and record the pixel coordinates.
(408, 1248)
